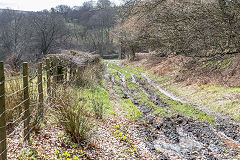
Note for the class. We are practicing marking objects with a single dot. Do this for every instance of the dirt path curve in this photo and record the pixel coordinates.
(172, 128)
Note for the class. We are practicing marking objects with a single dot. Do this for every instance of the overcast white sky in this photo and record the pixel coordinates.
(38, 5)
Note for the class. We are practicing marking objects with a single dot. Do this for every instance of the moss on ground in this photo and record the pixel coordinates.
(124, 72)
(115, 74)
(118, 90)
(132, 86)
(139, 95)
(132, 112)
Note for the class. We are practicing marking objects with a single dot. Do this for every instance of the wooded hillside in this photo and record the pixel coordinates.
(32, 35)
(192, 28)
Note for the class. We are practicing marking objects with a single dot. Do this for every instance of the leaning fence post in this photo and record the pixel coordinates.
(26, 103)
(3, 133)
(48, 79)
(40, 92)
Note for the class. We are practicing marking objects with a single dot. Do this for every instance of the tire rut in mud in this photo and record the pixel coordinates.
(178, 136)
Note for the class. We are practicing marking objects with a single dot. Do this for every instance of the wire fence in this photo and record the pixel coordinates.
(25, 99)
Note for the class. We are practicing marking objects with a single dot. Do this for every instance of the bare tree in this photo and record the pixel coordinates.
(86, 27)
(63, 10)
(12, 32)
(91, 27)
(49, 31)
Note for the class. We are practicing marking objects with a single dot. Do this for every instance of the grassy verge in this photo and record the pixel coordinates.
(97, 101)
(224, 100)
(78, 106)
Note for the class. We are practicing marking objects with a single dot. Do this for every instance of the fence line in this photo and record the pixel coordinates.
(28, 103)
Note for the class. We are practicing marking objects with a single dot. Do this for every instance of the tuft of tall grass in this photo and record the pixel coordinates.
(71, 115)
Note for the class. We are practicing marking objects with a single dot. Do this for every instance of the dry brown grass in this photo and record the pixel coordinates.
(13, 100)
(191, 70)
(91, 76)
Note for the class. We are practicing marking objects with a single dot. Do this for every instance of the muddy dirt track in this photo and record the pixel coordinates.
(173, 128)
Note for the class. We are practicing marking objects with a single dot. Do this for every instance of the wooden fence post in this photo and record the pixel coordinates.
(74, 74)
(3, 133)
(78, 78)
(71, 73)
(48, 79)
(66, 73)
(60, 72)
(54, 78)
(40, 92)
(26, 103)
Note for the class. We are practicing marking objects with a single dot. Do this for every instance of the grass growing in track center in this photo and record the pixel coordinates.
(172, 105)
(131, 111)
